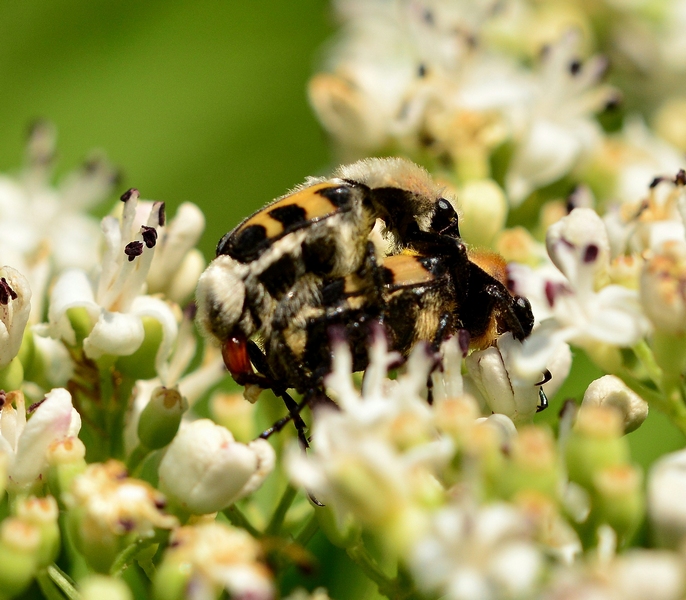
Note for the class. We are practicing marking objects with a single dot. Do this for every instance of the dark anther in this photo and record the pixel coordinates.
(547, 376)
(126, 196)
(6, 292)
(133, 249)
(571, 202)
(162, 219)
(421, 71)
(680, 178)
(160, 504)
(190, 311)
(591, 253)
(127, 524)
(575, 66)
(550, 292)
(428, 17)
(34, 406)
(149, 236)
(3, 398)
(463, 339)
(656, 181)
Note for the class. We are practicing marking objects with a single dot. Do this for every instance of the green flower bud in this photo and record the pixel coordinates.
(19, 548)
(484, 210)
(141, 364)
(343, 533)
(171, 580)
(66, 460)
(595, 443)
(159, 421)
(27, 349)
(101, 587)
(618, 499)
(4, 459)
(12, 376)
(43, 513)
(533, 465)
(81, 322)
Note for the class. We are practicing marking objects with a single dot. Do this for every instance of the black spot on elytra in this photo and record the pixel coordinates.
(247, 243)
(290, 215)
(340, 197)
(279, 277)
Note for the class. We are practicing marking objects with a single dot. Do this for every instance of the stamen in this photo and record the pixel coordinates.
(6, 292)
(3, 398)
(133, 249)
(680, 178)
(149, 236)
(128, 194)
(591, 253)
(463, 339)
(575, 67)
(655, 182)
(34, 406)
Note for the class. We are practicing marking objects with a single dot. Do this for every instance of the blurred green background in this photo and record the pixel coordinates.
(202, 101)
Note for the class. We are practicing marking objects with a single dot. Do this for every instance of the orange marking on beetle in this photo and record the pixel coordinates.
(407, 271)
(315, 206)
(235, 355)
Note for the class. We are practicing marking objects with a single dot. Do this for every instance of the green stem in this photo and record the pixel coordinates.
(53, 580)
(308, 531)
(238, 519)
(387, 586)
(280, 512)
(139, 454)
(126, 556)
(644, 354)
(671, 404)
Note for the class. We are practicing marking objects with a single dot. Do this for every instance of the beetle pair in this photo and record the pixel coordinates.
(306, 263)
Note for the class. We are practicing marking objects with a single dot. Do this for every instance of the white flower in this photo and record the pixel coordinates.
(107, 504)
(504, 388)
(177, 264)
(114, 302)
(666, 509)
(485, 553)
(212, 557)
(41, 224)
(15, 308)
(376, 458)
(576, 312)
(26, 442)
(557, 119)
(205, 469)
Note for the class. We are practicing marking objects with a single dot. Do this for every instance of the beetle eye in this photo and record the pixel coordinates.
(445, 220)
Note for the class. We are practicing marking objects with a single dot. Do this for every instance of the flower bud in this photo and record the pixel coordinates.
(484, 210)
(81, 322)
(618, 499)
(43, 513)
(160, 419)
(595, 443)
(108, 511)
(503, 391)
(533, 464)
(15, 308)
(518, 245)
(141, 364)
(101, 587)
(19, 548)
(666, 492)
(610, 391)
(211, 556)
(66, 460)
(205, 469)
(663, 285)
(12, 375)
(4, 459)
(584, 230)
